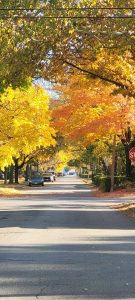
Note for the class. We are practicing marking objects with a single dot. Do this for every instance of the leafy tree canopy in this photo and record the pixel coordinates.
(53, 39)
(89, 111)
(25, 123)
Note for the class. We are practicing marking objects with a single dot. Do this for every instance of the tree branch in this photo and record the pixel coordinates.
(94, 75)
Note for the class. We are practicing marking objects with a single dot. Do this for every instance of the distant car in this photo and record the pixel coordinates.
(48, 176)
(71, 173)
(1, 176)
(54, 175)
(59, 174)
(36, 180)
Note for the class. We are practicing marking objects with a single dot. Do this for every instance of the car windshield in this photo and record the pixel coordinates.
(47, 174)
(36, 177)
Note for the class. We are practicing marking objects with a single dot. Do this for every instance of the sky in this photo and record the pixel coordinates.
(48, 86)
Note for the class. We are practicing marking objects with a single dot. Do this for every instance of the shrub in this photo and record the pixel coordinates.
(129, 184)
(96, 179)
(119, 180)
(105, 183)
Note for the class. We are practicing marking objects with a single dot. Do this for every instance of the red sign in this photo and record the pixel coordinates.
(132, 154)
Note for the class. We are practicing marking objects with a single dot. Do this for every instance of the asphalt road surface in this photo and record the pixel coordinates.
(57, 242)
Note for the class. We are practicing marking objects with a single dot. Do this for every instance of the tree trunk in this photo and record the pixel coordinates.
(5, 175)
(27, 172)
(116, 162)
(128, 161)
(11, 174)
(16, 170)
(113, 163)
(37, 166)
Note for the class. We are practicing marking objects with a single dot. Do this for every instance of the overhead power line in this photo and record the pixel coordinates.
(66, 9)
(67, 17)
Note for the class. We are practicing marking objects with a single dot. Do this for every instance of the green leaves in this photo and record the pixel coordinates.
(94, 37)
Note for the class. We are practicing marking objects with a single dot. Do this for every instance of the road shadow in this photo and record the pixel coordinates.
(65, 218)
(102, 269)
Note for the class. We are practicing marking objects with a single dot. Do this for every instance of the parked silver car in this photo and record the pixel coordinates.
(48, 176)
(54, 175)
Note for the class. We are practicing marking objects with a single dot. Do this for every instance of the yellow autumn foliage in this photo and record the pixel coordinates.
(62, 158)
(25, 122)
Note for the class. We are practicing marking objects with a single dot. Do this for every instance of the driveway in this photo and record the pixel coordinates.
(58, 242)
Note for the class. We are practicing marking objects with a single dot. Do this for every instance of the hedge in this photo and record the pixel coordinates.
(104, 182)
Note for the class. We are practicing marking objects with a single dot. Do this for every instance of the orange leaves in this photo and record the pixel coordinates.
(90, 110)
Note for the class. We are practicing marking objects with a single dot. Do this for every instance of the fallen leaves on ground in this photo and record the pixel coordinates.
(9, 192)
(128, 208)
(123, 193)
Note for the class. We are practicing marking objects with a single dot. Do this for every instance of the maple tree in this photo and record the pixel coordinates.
(25, 124)
(58, 161)
(90, 111)
(62, 158)
(58, 156)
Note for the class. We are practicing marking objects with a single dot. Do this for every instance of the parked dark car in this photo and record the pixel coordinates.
(48, 176)
(1, 175)
(36, 180)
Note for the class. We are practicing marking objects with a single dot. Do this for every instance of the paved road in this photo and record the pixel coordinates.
(60, 243)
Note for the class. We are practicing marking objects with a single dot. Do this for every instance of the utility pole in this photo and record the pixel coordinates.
(113, 163)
